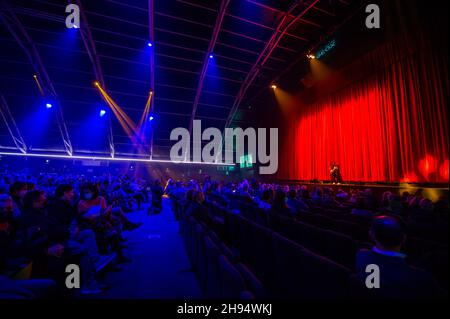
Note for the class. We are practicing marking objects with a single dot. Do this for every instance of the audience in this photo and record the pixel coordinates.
(295, 204)
(47, 222)
(387, 221)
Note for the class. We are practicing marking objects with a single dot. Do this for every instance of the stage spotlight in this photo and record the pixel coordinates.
(96, 83)
(311, 56)
(150, 44)
(273, 86)
(102, 113)
(48, 105)
(151, 118)
(211, 56)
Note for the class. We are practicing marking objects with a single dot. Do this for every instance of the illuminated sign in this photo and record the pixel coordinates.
(327, 48)
(246, 161)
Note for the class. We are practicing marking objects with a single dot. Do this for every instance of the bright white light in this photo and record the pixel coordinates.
(48, 105)
(104, 158)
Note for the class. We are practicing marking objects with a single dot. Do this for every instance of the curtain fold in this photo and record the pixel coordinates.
(387, 123)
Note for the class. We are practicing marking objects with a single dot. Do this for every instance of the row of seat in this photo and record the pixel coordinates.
(286, 269)
(283, 265)
(336, 246)
(358, 229)
(277, 266)
(214, 263)
(336, 239)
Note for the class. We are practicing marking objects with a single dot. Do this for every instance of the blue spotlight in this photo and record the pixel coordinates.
(102, 113)
(211, 56)
(48, 105)
(149, 44)
(151, 118)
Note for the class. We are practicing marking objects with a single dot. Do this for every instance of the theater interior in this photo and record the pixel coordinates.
(259, 151)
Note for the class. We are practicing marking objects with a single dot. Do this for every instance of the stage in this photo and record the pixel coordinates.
(430, 190)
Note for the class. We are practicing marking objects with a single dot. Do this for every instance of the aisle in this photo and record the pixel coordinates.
(159, 268)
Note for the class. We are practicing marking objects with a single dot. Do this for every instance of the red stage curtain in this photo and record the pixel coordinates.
(389, 123)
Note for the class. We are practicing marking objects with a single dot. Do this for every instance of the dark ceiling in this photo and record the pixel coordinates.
(245, 63)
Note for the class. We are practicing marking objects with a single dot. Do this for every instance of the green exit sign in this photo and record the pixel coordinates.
(246, 161)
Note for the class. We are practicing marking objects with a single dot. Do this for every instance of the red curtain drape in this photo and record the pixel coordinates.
(388, 122)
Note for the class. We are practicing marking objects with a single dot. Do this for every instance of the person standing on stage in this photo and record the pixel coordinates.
(335, 174)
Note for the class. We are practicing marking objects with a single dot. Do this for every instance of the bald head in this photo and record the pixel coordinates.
(387, 232)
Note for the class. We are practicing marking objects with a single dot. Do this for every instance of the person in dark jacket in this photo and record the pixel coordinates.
(53, 247)
(157, 193)
(397, 279)
(13, 253)
(279, 207)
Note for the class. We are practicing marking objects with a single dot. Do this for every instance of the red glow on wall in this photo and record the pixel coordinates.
(443, 170)
(409, 178)
(427, 166)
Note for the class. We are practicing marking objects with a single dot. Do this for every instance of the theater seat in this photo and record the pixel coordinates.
(232, 282)
(197, 235)
(339, 248)
(252, 282)
(303, 274)
(262, 255)
(213, 283)
(261, 217)
(190, 226)
(201, 261)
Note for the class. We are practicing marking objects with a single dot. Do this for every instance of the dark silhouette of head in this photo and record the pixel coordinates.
(89, 191)
(292, 194)
(34, 200)
(279, 200)
(266, 195)
(388, 233)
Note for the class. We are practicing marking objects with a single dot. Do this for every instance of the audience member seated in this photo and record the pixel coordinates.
(398, 280)
(39, 237)
(157, 193)
(279, 206)
(265, 201)
(360, 208)
(295, 204)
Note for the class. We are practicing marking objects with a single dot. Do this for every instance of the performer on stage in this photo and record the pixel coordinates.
(335, 173)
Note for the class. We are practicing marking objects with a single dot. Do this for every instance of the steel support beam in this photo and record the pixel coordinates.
(12, 126)
(16, 28)
(91, 49)
(311, 48)
(279, 11)
(151, 33)
(280, 31)
(212, 43)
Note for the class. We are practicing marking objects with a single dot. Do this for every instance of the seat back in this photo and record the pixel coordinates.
(213, 278)
(255, 286)
(232, 282)
(303, 274)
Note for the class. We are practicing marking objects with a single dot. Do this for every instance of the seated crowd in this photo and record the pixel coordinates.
(405, 235)
(49, 221)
